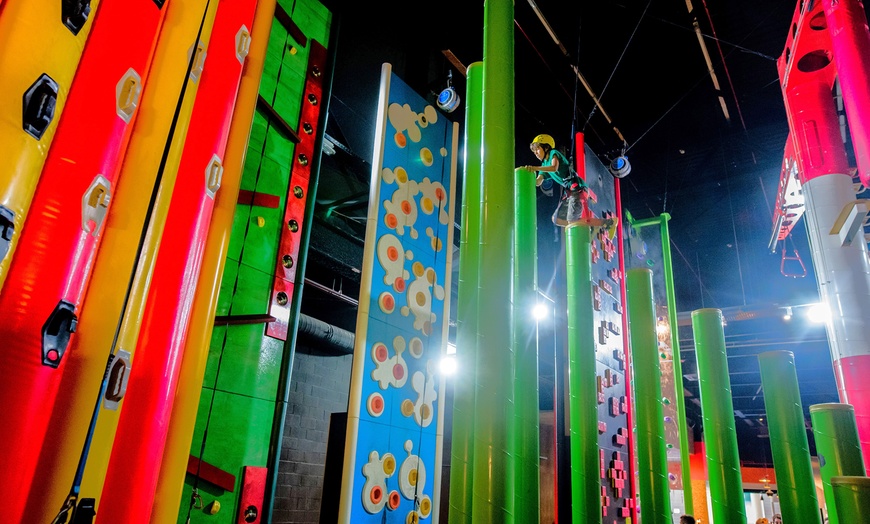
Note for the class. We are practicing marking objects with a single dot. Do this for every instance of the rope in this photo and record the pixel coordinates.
(622, 55)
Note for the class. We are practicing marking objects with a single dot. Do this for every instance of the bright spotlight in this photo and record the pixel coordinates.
(448, 365)
(819, 313)
(540, 311)
(788, 313)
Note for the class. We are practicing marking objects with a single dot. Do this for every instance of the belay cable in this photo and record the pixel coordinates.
(71, 504)
(619, 61)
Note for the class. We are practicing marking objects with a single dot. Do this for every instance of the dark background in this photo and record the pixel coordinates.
(716, 176)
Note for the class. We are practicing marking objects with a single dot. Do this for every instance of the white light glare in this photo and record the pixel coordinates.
(788, 313)
(451, 348)
(540, 311)
(662, 328)
(819, 313)
(448, 365)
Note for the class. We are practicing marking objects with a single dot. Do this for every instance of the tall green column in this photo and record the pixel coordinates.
(852, 498)
(462, 444)
(836, 434)
(582, 392)
(667, 264)
(788, 438)
(668, 269)
(720, 435)
(493, 461)
(652, 458)
(527, 419)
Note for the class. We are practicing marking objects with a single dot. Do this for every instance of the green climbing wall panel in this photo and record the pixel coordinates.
(241, 379)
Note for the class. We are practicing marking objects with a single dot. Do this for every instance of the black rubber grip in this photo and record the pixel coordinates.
(40, 100)
(56, 332)
(74, 14)
(7, 230)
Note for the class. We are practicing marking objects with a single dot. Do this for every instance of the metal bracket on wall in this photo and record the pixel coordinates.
(294, 214)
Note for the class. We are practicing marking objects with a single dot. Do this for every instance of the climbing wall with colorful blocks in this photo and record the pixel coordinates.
(614, 434)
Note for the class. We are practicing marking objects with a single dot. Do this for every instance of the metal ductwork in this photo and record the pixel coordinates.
(324, 338)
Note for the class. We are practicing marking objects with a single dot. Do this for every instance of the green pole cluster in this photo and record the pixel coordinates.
(527, 500)
(462, 451)
(652, 457)
(667, 266)
(720, 434)
(836, 434)
(788, 438)
(852, 498)
(493, 478)
(582, 392)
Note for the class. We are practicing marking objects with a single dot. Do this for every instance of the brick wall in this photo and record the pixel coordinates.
(320, 387)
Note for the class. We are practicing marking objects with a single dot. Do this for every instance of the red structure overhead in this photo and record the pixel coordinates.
(807, 76)
(850, 43)
(827, 46)
(789, 199)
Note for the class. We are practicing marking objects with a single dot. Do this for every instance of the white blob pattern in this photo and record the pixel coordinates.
(390, 371)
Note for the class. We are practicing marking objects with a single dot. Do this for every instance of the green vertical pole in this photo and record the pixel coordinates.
(788, 438)
(836, 434)
(582, 391)
(493, 463)
(667, 264)
(652, 457)
(720, 434)
(852, 498)
(462, 435)
(526, 349)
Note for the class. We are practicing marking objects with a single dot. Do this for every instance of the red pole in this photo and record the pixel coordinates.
(580, 161)
(629, 420)
(48, 277)
(133, 469)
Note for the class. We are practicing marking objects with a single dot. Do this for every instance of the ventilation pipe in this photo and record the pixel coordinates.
(317, 334)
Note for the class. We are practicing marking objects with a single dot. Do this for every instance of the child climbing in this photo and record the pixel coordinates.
(572, 206)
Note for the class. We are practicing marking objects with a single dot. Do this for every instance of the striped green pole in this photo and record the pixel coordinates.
(852, 498)
(528, 483)
(493, 462)
(720, 434)
(462, 434)
(836, 434)
(668, 268)
(652, 458)
(582, 391)
(788, 438)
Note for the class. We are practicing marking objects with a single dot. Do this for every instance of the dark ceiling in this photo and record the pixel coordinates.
(716, 175)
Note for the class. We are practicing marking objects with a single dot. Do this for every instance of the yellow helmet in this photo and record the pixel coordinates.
(545, 139)
(762, 520)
